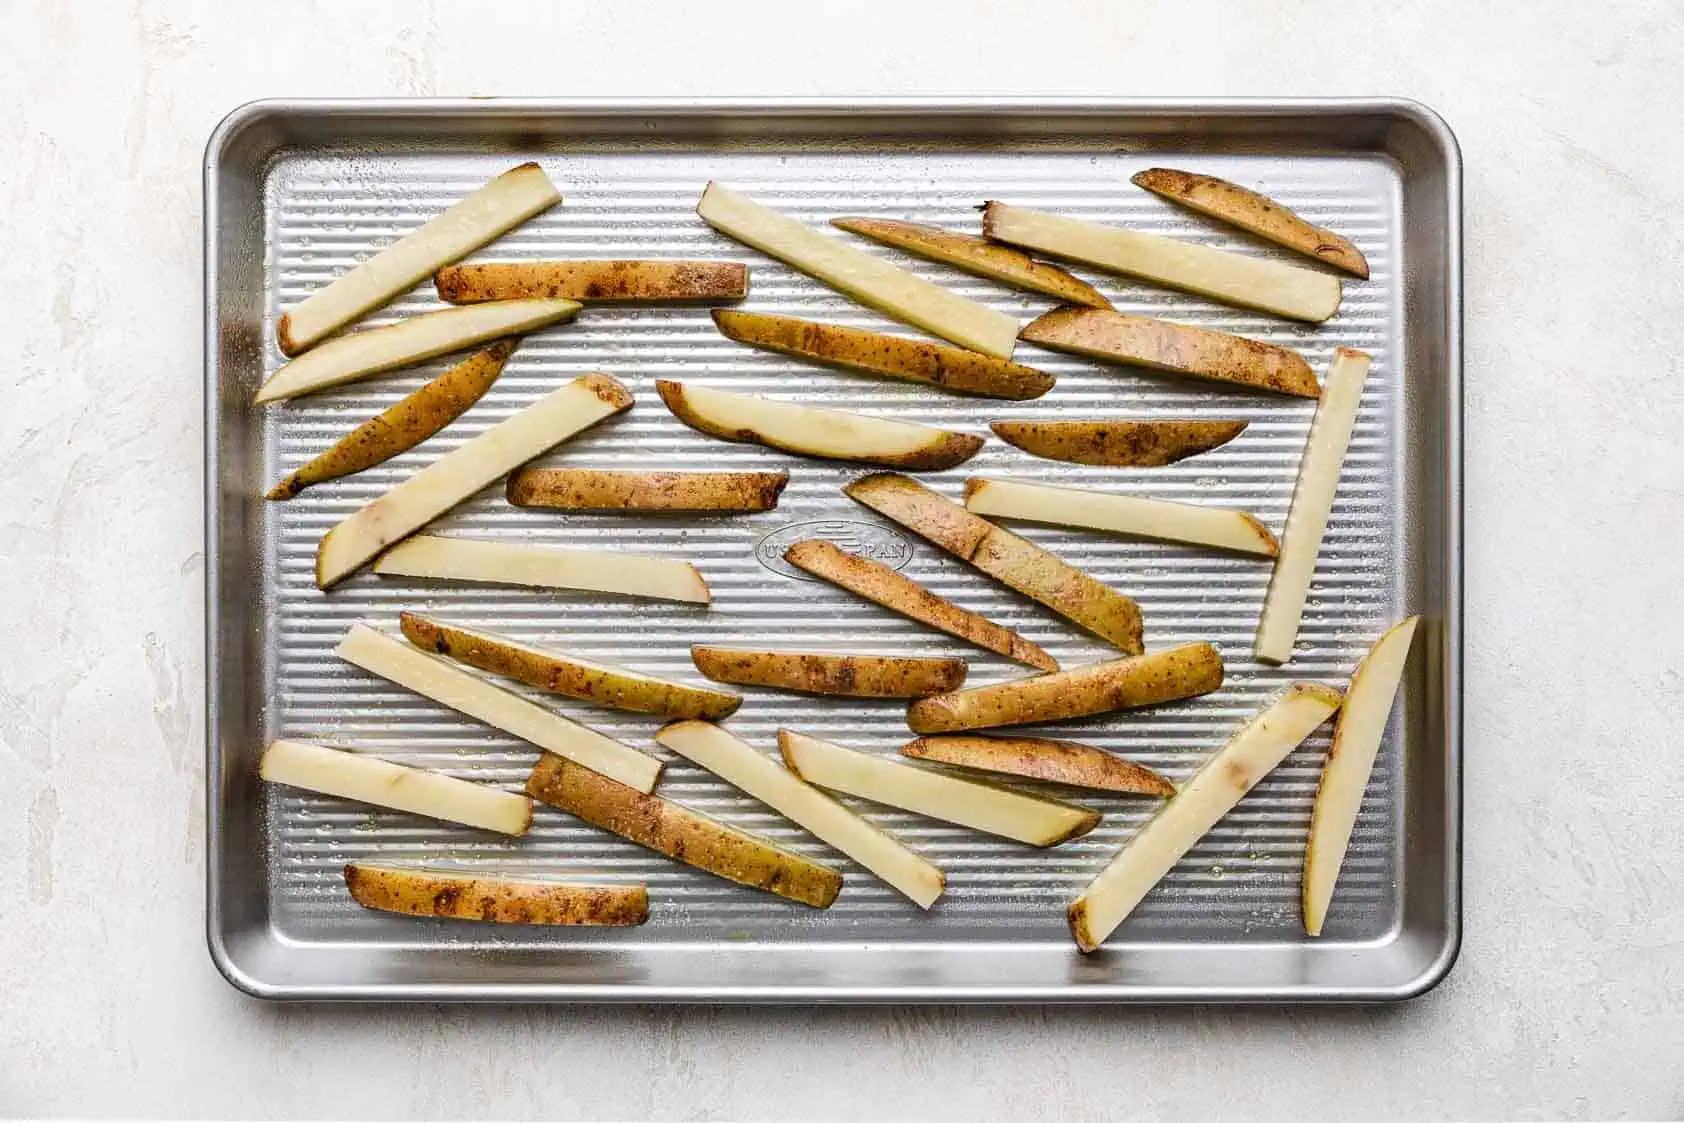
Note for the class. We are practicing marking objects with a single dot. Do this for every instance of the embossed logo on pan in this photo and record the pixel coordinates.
(867, 540)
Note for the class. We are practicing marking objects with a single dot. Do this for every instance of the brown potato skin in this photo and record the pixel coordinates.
(1130, 444)
(1160, 345)
(680, 833)
(913, 360)
(562, 676)
(593, 281)
(1144, 680)
(429, 893)
(1038, 758)
(586, 489)
(847, 676)
(406, 424)
(881, 585)
(1255, 212)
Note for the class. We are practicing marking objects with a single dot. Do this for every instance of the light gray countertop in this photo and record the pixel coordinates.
(1569, 997)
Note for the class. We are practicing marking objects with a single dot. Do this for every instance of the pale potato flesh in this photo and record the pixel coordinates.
(456, 895)
(804, 805)
(1129, 444)
(1191, 523)
(1312, 504)
(820, 672)
(593, 281)
(1038, 758)
(459, 473)
(1220, 783)
(969, 803)
(499, 206)
(384, 783)
(857, 274)
(544, 567)
(448, 684)
(588, 489)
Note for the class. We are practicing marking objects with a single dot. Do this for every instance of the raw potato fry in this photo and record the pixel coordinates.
(360, 354)
(499, 206)
(419, 891)
(807, 807)
(1060, 762)
(827, 434)
(371, 779)
(812, 672)
(1356, 742)
(1256, 213)
(405, 425)
(1098, 688)
(585, 489)
(976, 255)
(601, 684)
(970, 803)
(1129, 444)
(1142, 341)
(1218, 527)
(911, 360)
(545, 567)
(1249, 282)
(1011, 560)
(593, 281)
(682, 834)
(1312, 503)
(856, 274)
(881, 585)
(1233, 770)
(444, 682)
(459, 473)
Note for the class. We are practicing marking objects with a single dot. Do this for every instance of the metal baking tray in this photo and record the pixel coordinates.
(297, 191)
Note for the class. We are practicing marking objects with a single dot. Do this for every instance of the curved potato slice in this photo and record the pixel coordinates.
(1253, 212)
(1129, 444)
(976, 255)
(1038, 758)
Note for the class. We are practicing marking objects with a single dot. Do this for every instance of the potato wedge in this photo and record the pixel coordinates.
(826, 434)
(804, 805)
(1255, 213)
(1037, 758)
(881, 585)
(585, 489)
(1128, 444)
(499, 206)
(970, 803)
(360, 354)
(856, 274)
(1142, 341)
(682, 834)
(601, 684)
(910, 360)
(1192, 523)
(1312, 504)
(813, 672)
(1098, 688)
(453, 895)
(976, 255)
(544, 567)
(370, 779)
(1011, 560)
(459, 473)
(418, 416)
(593, 281)
(1350, 760)
(1224, 779)
(1249, 282)
(448, 684)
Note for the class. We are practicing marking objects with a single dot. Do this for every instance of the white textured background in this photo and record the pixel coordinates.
(1569, 999)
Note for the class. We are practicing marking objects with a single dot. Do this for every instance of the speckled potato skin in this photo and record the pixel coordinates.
(1144, 680)
(593, 281)
(1131, 444)
(680, 833)
(406, 424)
(431, 893)
(913, 360)
(848, 676)
(1174, 348)
(586, 489)
(1060, 762)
